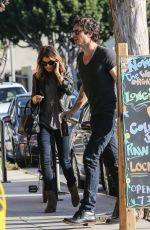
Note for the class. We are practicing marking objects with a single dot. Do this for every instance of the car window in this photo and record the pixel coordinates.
(21, 105)
(7, 94)
(73, 97)
(11, 107)
(85, 116)
(13, 115)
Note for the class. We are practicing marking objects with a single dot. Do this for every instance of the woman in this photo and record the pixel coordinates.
(51, 86)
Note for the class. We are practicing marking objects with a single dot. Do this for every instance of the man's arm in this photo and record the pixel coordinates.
(113, 73)
(81, 100)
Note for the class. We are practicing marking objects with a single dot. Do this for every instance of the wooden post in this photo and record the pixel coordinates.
(127, 216)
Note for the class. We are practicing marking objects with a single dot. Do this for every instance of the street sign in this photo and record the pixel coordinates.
(135, 87)
(2, 208)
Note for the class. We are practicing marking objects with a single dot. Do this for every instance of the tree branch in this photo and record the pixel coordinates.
(29, 41)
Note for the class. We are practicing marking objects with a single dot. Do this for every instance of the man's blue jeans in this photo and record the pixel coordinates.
(101, 141)
(47, 138)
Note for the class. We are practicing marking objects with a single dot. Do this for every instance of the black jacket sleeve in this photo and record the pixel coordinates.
(67, 86)
(35, 88)
(65, 90)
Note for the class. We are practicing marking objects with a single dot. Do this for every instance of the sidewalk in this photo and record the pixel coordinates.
(25, 211)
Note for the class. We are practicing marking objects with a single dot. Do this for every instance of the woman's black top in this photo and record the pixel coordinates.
(55, 99)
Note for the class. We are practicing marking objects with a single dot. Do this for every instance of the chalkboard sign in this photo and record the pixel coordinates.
(135, 83)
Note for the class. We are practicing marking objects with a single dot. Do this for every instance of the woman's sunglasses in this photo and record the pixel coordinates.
(43, 63)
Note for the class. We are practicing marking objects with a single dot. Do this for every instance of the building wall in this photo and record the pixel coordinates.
(22, 57)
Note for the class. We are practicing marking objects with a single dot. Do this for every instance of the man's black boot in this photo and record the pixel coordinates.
(74, 195)
(51, 201)
(115, 214)
(82, 217)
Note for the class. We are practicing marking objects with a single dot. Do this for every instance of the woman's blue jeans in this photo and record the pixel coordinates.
(48, 139)
(102, 140)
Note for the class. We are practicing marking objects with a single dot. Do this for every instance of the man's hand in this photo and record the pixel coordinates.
(66, 115)
(37, 98)
(81, 100)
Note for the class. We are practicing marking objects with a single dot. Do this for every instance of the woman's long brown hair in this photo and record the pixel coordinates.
(49, 52)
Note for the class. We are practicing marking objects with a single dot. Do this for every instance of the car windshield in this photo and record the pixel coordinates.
(7, 94)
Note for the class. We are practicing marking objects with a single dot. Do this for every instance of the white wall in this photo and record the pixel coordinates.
(27, 56)
(22, 57)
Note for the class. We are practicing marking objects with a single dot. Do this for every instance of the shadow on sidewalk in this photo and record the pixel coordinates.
(25, 210)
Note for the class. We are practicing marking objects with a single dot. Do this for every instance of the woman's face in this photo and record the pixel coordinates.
(48, 64)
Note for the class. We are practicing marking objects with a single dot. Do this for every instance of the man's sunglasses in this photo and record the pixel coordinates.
(44, 63)
(76, 32)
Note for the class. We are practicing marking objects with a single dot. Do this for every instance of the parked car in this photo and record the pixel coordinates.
(17, 148)
(82, 133)
(8, 91)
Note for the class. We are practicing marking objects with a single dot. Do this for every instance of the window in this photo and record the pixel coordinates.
(7, 94)
(21, 105)
(86, 114)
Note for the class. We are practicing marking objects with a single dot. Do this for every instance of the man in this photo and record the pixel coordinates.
(97, 70)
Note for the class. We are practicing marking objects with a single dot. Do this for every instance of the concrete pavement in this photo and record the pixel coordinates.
(25, 211)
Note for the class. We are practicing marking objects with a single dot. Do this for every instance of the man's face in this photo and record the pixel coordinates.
(79, 36)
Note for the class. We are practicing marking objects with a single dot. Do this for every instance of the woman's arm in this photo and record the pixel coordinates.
(36, 98)
(67, 84)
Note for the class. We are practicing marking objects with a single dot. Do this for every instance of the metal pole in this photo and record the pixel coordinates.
(3, 152)
(13, 77)
(58, 176)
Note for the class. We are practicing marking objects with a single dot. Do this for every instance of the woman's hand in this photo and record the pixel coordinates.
(57, 73)
(56, 68)
(36, 99)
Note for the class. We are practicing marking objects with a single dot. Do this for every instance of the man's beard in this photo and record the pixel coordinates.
(72, 41)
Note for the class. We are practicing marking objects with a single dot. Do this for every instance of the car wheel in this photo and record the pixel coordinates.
(21, 155)
(106, 180)
(80, 184)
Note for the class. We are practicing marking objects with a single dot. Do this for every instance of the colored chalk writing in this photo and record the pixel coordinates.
(2, 208)
(135, 83)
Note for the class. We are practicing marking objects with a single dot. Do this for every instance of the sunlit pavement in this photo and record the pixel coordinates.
(25, 211)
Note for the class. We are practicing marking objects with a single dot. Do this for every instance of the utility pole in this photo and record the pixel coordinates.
(13, 78)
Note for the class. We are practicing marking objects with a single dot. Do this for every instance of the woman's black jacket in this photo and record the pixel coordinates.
(64, 91)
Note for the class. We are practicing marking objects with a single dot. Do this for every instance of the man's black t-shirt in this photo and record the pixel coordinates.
(98, 84)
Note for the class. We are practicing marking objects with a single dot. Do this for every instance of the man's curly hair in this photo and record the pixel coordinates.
(89, 25)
